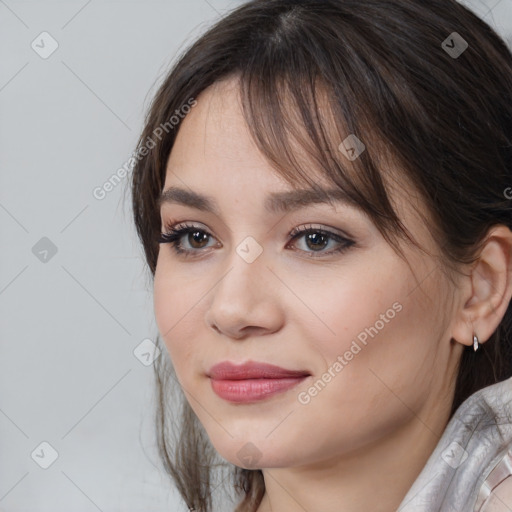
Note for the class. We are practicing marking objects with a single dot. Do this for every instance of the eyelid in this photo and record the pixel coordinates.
(319, 227)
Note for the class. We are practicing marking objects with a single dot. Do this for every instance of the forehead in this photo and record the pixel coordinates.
(215, 148)
(215, 132)
(216, 154)
(214, 142)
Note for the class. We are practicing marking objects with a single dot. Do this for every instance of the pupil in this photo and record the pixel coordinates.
(199, 236)
(314, 237)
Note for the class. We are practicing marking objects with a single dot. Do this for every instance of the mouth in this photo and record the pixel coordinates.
(252, 381)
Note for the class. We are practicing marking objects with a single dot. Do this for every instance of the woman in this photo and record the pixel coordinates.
(323, 198)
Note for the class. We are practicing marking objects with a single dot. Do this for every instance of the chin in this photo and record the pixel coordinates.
(253, 452)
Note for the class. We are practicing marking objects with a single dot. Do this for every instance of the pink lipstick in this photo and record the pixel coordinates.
(252, 381)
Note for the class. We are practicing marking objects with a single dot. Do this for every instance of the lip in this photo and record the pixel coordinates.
(252, 370)
(252, 381)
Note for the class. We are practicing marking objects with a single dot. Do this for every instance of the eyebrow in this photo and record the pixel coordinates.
(276, 202)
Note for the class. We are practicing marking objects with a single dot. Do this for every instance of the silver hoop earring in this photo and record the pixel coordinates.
(475, 342)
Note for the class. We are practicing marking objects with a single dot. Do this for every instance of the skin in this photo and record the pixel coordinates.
(376, 422)
(500, 499)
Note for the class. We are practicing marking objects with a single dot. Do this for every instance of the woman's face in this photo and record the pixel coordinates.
(373, 338)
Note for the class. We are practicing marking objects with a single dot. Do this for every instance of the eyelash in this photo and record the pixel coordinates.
(173, 235)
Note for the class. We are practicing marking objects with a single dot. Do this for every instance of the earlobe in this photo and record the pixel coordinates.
(488, 289)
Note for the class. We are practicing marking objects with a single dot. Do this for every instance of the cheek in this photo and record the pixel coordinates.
(164, 300)
(370, 331)
(174, 299)
(371, 371)
(361, 304)
(164, 303)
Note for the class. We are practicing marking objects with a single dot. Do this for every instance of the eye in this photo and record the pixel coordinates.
(318, 238)
(194, 236)
(190, 241)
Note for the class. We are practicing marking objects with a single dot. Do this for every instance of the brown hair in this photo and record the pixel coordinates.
(389, 78)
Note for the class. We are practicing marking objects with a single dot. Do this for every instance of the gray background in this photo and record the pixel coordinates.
(70, 321)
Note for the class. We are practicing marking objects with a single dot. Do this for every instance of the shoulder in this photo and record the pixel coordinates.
(500, 499)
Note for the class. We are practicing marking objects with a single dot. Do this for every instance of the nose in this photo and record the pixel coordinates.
(246, 300)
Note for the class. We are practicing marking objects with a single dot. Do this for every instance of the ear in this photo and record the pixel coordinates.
(486, 292)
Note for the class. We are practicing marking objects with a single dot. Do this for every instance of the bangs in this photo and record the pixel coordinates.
(306, 128)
